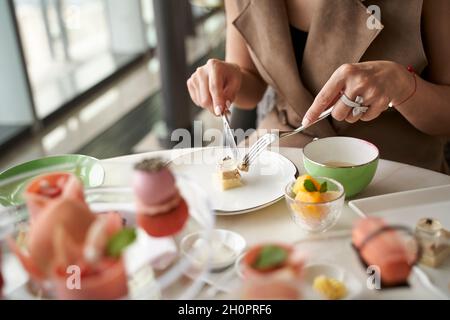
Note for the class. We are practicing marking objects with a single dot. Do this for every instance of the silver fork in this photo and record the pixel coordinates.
(229, 137)
(267, 139)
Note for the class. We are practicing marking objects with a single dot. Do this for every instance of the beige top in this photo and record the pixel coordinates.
(339, 34)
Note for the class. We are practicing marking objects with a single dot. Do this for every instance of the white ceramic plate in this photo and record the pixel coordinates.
(407, 208)
(263, 185)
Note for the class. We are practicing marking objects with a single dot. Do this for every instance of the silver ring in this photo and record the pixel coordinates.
(359, 110)
(352, 104)
(357, 105)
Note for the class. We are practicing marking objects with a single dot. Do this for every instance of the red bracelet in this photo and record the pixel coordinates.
(410, 69)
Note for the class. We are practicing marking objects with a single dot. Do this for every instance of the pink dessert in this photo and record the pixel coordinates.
(107, 282)
(67, 235)
(272, 271)
(103, 273)
(47, 188)
(386, 250)
(73, 217)
(161, 209)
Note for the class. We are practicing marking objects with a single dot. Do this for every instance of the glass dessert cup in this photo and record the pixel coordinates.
(316, 217)
(144, 280)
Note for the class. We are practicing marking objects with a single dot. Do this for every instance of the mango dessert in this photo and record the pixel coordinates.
(308, 192)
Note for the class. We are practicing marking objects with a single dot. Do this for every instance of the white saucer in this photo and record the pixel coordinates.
(263, 185)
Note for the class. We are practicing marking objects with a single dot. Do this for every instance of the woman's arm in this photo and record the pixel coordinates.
(217, 84)
(252, 86)
(382, 82)
(429, 109)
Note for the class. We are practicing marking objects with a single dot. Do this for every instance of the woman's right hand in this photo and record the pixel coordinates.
(215, 85)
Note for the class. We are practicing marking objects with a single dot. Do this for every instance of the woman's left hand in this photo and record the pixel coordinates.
(379, 83)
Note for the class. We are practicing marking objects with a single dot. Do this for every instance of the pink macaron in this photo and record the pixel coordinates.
(153, 182)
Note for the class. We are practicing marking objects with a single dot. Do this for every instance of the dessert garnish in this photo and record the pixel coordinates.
(270, 257)
(434, 241)
(120, 241)
(244, 166)
(228, 174)
(308, 192)
(329, 288)
(151, 165)
(161, 210)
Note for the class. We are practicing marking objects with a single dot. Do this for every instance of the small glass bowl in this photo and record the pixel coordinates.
(321, 216)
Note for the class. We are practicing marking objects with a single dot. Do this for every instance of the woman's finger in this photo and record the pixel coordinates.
(353, 119)
(340, 111)
(203, 89)
(329, 94)
(192, 91)
(216, 86)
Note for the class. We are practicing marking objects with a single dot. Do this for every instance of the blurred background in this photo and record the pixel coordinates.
(103, 77)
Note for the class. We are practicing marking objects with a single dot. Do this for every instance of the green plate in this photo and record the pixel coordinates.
(14, 180)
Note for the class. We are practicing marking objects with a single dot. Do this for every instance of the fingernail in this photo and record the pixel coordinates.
(218, 111)
(228, 104)
(306, 122)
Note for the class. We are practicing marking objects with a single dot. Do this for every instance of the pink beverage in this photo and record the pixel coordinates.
(47, 188)
(108, 282)
(65, 219)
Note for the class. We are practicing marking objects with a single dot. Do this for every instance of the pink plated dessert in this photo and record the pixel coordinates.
(161, 210)
(66, 238)
(272, 271)
(384, 249)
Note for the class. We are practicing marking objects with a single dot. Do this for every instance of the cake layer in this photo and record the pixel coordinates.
(231, 183)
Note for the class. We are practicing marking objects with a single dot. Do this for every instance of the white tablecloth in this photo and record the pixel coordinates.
(274, 224)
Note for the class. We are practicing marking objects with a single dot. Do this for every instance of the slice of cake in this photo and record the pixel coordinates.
(434, 240)
(228, 174)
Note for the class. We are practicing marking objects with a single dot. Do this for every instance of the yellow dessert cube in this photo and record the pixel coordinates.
(330, 288)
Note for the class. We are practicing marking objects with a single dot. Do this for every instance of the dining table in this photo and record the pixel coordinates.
(274, 224)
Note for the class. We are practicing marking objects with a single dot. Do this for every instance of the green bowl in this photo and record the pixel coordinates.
(353, 162)
(14, 180)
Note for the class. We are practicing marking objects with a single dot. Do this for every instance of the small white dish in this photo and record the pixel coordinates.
(312, 271)
(262, 186)
(225, 247)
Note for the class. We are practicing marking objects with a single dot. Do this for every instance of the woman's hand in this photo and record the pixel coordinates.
(215, 85)
(378, 82)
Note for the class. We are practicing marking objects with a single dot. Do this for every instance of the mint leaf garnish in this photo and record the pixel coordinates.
(120, 241)
(270, 257)
(309, 186)
(324, 187)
